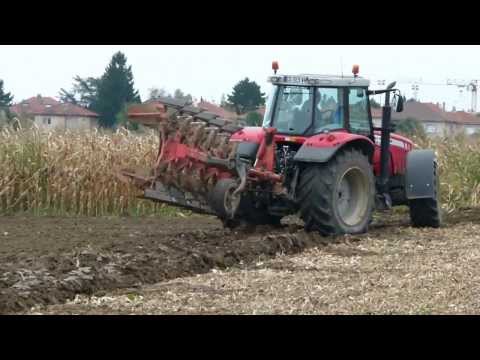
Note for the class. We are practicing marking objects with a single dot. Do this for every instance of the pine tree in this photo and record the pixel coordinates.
(6, 98)
(246, 96)
(223, 101)
(115, 89)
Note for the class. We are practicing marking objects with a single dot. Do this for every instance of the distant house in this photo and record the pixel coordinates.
(467, 122)
(434, 119)
(217, 110)
(222, 112)
(48, 113)
(376, 116)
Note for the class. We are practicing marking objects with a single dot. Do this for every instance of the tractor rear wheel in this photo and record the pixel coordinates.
(337, 197)
(427, 212)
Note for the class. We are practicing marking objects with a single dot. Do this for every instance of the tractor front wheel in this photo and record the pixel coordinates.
(337, 197)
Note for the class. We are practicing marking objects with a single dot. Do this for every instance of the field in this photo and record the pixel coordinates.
(192, 266)
(75, 240)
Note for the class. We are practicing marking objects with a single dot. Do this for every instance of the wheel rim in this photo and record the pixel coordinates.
(352, 196)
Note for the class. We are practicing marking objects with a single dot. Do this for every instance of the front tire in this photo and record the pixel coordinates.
(337, 197)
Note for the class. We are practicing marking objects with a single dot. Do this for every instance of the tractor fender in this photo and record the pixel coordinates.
(322, 147)
(249, 139)
(420, 174)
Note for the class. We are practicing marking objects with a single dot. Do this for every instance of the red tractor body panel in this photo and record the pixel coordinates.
(334, 139)
(399, 148)
(249, 134)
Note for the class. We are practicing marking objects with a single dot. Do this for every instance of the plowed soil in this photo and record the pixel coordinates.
(58, 265)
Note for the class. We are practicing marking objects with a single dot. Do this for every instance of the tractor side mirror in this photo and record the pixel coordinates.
(400, 104)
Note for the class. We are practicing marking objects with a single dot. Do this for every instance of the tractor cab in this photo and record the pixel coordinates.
(307, 105)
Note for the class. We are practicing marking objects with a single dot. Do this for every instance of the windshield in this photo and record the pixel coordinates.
(294, 111)
(269, 106)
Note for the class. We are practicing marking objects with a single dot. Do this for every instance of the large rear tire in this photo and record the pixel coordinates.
(337, 197)
(427, 212)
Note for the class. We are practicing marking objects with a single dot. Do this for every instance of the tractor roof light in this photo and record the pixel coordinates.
(275, 66)
(355, 70)
(317, 80)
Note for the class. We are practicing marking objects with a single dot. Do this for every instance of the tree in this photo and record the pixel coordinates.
(155, 93)
(254, 119)
(246, 96)
(223, 101)
(106, 95)
(410, 127)
(374, 104)
(115, 89)
(84, 92)
(122, 119)
(178, 94)
(6, 98)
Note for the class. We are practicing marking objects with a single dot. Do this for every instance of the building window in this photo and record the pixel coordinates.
(47, 121)
(431, 129)
(471, 130)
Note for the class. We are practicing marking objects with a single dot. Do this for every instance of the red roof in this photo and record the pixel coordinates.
(39, 105)
(217, 110)
(462, 117)
(430, 112)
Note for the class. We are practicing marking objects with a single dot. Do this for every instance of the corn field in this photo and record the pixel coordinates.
(73, 173)
(459, 164)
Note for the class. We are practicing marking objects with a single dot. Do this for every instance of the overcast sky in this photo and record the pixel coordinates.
(209, 71)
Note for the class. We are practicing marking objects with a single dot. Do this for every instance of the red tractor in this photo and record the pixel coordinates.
(317, 154)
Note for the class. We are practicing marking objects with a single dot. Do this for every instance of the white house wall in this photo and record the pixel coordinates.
(434, 128)
(56, 122)
(79, 123)
(65, 122)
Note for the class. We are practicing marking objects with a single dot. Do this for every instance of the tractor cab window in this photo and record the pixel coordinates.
(293, 109)
(358, 111)
(269, 103)
(328, 110)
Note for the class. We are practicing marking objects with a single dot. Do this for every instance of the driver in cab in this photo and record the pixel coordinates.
(327, 113)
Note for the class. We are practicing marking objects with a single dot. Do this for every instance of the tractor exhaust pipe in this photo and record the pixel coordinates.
(385, 146)
(385, 142)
